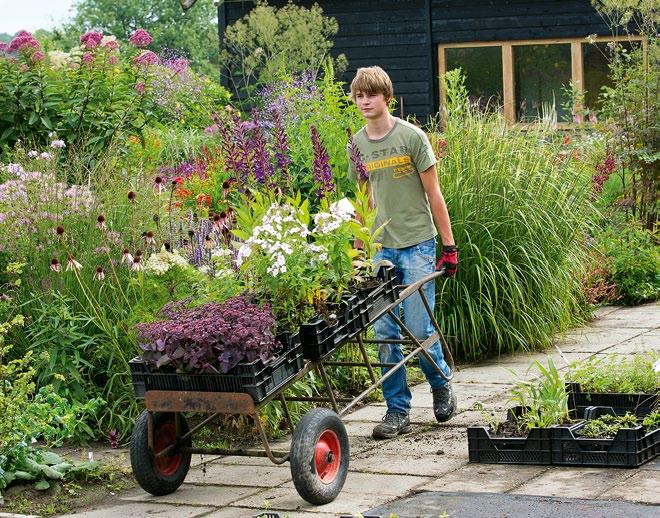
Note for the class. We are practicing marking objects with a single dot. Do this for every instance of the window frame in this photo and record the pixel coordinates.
(508, 73)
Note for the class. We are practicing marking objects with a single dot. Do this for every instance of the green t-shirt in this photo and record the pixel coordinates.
(394, 163)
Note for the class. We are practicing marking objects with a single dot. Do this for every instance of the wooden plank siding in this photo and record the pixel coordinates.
(402, 36)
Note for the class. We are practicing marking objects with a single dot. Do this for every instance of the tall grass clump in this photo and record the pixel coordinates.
(519, 210)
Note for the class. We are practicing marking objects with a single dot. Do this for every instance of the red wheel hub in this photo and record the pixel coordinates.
(327, 456)
(164, 437)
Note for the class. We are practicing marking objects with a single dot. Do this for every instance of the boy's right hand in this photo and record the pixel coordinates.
(448, 263)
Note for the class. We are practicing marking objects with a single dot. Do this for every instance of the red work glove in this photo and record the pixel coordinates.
(448, 262)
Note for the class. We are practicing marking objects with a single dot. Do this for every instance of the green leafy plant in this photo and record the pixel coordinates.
(619, 374)
(544, 401)
(607, 426)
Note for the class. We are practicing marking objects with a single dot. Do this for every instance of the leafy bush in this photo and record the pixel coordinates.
(270, 41)
(632, 256)
(94, 93)
(519, 216)
(617, 374)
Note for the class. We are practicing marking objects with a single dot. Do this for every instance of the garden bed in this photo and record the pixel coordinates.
(257, 378)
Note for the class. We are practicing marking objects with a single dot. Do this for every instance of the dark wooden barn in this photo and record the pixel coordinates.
(519, 54)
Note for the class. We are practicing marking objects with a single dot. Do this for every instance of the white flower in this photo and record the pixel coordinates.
(32, 154)
(45, 156)
(57, 144)
(244, 251)
(72, 264)
(343, 207)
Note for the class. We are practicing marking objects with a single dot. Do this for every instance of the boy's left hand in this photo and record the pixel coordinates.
(448, 262)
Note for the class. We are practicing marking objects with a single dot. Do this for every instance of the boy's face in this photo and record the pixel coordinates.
(372, 106)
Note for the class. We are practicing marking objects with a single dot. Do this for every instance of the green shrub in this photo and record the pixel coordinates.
(632, 256)
(519, 214)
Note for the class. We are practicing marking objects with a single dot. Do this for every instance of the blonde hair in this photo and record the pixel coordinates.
(372, 80)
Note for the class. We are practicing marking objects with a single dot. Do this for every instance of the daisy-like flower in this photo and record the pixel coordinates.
(99, 275)
(55, 265)
(220, 221)
(131, 196)
(59, 230)
(101, 222)
(72, 264)
(158, 185)
(225, 188)
(137, 264)
(126, 257)
(149, 239)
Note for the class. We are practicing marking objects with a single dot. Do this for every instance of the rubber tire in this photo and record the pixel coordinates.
(302, 457)
(142, 461)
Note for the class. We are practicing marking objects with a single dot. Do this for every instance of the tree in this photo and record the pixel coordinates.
(269, 41)
(192, 33)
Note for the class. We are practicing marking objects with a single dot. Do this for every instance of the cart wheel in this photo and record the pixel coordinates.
(319, 456)
(159, 475)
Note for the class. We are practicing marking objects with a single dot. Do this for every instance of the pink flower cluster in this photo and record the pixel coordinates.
(140, 38)
(146, 58)
(22, 41)
(91, 39)
(603, 172)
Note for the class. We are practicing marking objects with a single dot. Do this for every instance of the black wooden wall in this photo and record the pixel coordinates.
(402, 35)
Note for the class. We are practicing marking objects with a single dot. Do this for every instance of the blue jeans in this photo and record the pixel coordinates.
(411, 264)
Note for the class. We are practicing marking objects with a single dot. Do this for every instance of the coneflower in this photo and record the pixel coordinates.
(131, 196)
(149, 239)
(137, 264)
(126, 257)
(72, 264)
(158, 185)
(99, 275)
(59, 230)
(101, 222)
(55, 265)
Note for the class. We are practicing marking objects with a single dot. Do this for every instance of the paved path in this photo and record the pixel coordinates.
(432, 458)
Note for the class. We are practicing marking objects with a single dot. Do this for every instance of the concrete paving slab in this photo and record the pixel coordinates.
(604, 311)
(487, 372)
(467, 393)
(488, 505)
(240, 475)
(646, 342)
(642, 316)
(189, 494)
(643, 486)
(593, 339)
(490, 478)
(653, 465)
(421, 465)
(573, 482)
(286, 498)
(439, 441)
(139, 510)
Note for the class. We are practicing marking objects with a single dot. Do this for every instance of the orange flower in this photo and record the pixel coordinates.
(134, 139)
(203, 200)
(184, 193)
(156, 142)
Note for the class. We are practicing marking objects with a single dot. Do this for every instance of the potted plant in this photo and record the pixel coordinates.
(217, 347)
(526, 435)
(625, 384)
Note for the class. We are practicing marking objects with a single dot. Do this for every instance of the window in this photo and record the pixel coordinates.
(528, 78)
(482, 67)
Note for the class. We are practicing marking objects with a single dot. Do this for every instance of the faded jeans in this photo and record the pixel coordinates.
(411, 264)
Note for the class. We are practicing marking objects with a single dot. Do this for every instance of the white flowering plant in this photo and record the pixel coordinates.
(297, 269)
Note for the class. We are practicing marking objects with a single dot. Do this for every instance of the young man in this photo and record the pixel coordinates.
(404, 187)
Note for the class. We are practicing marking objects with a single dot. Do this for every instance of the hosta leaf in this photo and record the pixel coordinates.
(42, 485)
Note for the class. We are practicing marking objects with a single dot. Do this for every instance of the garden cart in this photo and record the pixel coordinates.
(161, 444)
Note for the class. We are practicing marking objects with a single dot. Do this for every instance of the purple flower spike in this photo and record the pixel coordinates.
(321, 167)
(263, 169)
(281, 150)
(356, 158)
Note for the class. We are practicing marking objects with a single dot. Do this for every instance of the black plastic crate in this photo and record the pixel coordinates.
(320, 338)
(257, 378)
(374, 301)
(630, 447)
(638, 404)
(536, 448)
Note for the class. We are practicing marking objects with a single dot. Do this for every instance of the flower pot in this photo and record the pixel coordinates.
(639, 404)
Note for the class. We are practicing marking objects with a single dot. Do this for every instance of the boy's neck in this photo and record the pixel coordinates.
(378, 128)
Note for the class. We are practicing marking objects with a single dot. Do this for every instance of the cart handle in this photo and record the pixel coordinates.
(411, 288)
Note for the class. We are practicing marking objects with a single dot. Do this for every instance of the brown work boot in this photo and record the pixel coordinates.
(394, 423)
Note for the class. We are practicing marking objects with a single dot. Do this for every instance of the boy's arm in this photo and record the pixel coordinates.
(438, 206)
